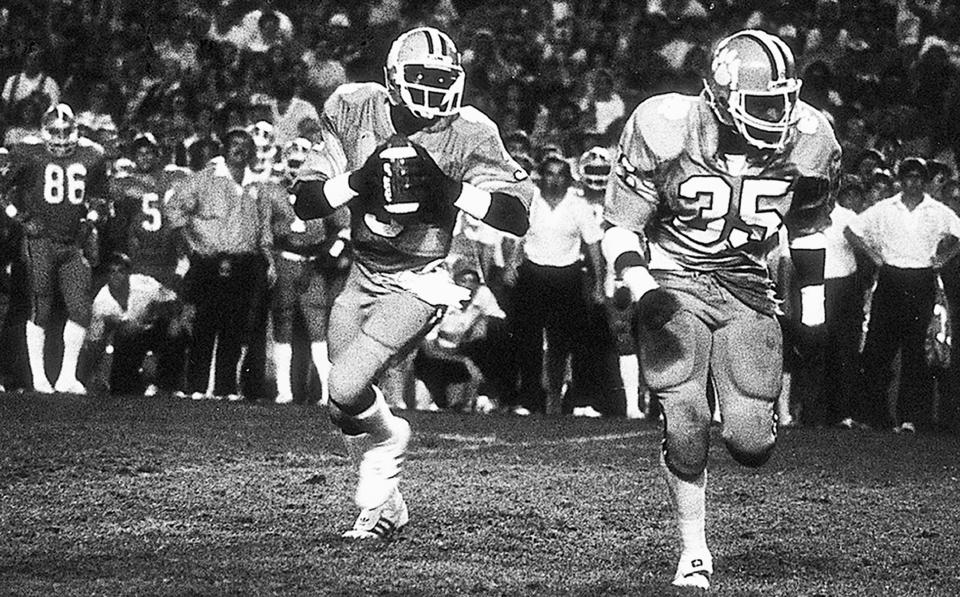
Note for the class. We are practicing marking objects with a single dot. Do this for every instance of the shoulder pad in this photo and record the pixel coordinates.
(90, 143)
(816, 149)
(473, 115)
(358, 93)
(662, 122)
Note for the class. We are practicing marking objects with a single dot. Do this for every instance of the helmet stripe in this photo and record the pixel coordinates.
(773, 51)
(430, 47)
(443, 43)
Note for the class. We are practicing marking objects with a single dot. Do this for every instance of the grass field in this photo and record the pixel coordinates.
(167, 497)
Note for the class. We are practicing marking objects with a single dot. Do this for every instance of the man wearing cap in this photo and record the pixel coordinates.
(223, 215)
(137, 226)
(901, 235)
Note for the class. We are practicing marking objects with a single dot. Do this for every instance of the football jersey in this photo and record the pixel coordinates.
(290, 233)
(467, 147)
(139, 227)
(56, 190)
(705, 211)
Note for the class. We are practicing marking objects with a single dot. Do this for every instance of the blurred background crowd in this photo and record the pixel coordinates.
(559, 77)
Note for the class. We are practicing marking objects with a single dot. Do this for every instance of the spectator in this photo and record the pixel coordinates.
(261, 30)
(551, 287)
(136, 314)
(288, 112)
(97, 116)
(900, 235)
(831, 397)
(450, 360)
(602, 104)
(223, 214)
(31, 80)
(25, 122)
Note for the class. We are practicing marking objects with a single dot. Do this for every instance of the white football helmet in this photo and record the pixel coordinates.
(593, 168)
(294, 154)
(423, 73)
(59, 130)
(753, 86)
(263, 141)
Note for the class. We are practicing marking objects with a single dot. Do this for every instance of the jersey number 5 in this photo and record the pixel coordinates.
(150, 208)
(60, 183)
(718, 218)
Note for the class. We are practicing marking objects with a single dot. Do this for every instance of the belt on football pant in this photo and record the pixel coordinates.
(297, 257)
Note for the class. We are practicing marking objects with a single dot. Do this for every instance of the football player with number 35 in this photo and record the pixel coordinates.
(56, 178)
(707, 181)
(404, 159)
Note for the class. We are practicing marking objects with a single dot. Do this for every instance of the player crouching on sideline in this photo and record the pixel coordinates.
(136, 314)
(708, 180)
(403, 159)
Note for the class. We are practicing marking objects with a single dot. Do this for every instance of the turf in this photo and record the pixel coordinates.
(165, 497)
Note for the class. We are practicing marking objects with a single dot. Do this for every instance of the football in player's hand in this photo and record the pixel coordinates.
(417, 184)
(655, 308)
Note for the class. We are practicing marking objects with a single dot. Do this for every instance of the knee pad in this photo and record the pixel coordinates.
(752, 456)
(753, 360)
(686, 446)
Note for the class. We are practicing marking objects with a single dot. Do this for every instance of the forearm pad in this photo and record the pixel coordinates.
(621, 248)
(499, 210)
(809, 256)
(507, 213)
(320, 198)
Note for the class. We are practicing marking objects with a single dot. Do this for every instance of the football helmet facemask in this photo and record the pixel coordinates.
(594, 167)
(263, 140)
(294, 154)
(424, 73)
(753, 87)
(59, 130)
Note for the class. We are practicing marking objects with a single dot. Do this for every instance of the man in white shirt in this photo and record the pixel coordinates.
(30, 80)
(901, 235)
(136, 314)
(550, 283)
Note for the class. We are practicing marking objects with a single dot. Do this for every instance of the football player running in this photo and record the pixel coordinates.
(56, 177)
(404, 159)
(708, 180)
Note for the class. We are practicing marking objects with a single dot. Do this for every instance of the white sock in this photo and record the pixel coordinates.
(282, 358)
(630, 374)
(690, 502)
(321, 360)
(73, 335)
(377, 420)
(36, 339)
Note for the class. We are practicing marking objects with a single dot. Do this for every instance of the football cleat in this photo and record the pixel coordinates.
(380, 467)
(694, 571)
(70, 386)
(42, 386)
(382, 522)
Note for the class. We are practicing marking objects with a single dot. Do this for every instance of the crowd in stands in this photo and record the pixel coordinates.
(558, 77)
